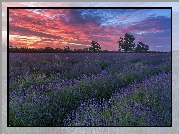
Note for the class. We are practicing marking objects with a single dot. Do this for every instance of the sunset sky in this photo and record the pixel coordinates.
(76, 28)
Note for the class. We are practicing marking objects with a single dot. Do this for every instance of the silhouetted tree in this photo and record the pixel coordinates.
(105, 51)
(91, 49)
(141, 47)
(48, 49)
(10, 46)
(85, 50)
(146, 48)
(66, 49)
(126, 43)
(94, 46)
(58, 50)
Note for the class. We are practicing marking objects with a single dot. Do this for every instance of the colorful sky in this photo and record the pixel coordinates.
(76, 28)
(152, 27)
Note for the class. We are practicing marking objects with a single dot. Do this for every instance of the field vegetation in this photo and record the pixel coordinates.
(90, 89)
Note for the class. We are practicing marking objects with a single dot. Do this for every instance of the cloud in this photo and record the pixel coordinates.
(81, 16)
(152, 24)
(82, 26)
(159, 46)
(28, 32)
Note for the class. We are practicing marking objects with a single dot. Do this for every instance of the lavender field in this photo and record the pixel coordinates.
(90, 89)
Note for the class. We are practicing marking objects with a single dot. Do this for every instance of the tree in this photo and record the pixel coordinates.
(141, 47)
(94, 46)
(58, 50)
(48, 49)
(66, 49)
(146, 48)
(126, 43)
(138, 49)
(91, 49)
(10, 46)
(85, 50)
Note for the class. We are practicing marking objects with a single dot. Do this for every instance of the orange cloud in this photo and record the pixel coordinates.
(43, 25)
(61, 27)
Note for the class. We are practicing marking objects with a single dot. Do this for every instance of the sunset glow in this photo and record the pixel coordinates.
(76, 28)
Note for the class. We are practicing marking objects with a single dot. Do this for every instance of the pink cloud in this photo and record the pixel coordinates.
(57, 30)
(25, 4)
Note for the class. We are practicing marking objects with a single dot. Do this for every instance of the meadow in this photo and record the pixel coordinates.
(90, 89)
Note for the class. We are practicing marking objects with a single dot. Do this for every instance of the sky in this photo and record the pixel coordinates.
(76, 28)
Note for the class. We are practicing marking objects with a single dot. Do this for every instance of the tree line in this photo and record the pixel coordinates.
(128, 45)
(125, 44)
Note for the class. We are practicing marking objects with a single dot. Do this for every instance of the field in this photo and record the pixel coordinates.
(90, 89)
